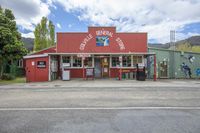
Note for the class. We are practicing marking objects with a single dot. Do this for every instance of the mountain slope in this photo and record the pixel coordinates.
(28, 43)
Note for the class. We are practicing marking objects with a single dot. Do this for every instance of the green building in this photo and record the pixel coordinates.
(174, 64)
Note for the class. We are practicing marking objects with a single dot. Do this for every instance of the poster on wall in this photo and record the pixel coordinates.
(41, 64)
(89, 72)
(102, 41)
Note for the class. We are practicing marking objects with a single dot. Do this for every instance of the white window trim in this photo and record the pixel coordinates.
(20, 63)
(72, 58)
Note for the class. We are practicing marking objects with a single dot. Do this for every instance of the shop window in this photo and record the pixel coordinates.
(66, 60)
(115, 61)
(126, 61)
(137, 60)
(88, 62)
(77, 61)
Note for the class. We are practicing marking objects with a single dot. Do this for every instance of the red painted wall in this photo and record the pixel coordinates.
(75, 73)
(70, 42)
(114, 72)
(35, 74)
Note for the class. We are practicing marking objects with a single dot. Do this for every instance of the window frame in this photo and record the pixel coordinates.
(111, 62)
(128, 63)
(80, 60)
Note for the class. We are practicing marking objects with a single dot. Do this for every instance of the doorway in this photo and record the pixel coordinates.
(101, 67)
(163, 69)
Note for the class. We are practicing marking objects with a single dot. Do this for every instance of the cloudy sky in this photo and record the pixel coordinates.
(157, 17)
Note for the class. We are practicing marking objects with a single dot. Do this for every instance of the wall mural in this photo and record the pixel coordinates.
(198, 72)
(186, 70)
(191, 58)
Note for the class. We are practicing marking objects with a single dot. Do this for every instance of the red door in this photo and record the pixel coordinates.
(30, 70)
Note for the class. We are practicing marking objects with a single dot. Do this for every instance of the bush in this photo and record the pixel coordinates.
(7, 76)
(20, 72)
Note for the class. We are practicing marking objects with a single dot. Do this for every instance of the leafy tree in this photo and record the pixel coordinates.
(11, 47)
(51, 33)
(44, 34)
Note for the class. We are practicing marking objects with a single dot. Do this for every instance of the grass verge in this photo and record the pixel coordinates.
(17, 80)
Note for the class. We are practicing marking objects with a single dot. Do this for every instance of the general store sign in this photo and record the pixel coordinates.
(102, 32)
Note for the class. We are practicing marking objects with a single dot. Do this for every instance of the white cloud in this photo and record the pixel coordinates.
(28, 35)
(156, 17)
(28, 13)
(58, 25)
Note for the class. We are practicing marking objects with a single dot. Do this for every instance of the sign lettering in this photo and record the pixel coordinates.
(104, 33)
(85, 41)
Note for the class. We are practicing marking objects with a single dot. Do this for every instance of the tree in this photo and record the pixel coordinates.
(11, 46)
(51, 33)
(44, 34)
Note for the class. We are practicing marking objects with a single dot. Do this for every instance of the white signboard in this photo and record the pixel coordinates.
(33, 63)
(89, 72)
(66, 64)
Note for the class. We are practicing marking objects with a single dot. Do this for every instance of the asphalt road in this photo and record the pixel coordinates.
(100, 110)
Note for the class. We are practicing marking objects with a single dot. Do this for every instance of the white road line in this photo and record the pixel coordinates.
(99, 108)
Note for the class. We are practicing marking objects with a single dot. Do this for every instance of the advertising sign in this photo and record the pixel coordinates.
(41, 64)
(89, 72)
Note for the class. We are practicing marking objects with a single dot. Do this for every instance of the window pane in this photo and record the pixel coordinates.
(139, 59)
(88, 62)
(126, 61)
(77, 61)
(66, 59)
(134, 60)
(115, 61)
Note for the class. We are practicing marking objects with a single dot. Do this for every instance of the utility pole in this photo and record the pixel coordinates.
(173, 48)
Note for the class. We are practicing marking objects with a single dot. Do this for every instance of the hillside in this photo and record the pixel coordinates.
(28, 43)
(189, 44)
(193, 41)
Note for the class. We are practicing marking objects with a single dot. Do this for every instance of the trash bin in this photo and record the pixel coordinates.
(141, 76)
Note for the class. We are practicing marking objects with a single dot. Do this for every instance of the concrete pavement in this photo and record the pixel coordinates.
(106, 83)
(98, 106)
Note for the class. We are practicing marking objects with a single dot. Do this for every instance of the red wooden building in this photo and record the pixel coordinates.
(100, 53)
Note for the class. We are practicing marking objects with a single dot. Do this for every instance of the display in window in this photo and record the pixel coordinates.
(77, 61)
(88, 62)
(126, 61)
(115, 61)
